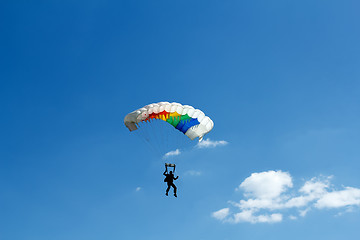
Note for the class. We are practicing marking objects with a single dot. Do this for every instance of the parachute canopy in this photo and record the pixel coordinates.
(188, 120)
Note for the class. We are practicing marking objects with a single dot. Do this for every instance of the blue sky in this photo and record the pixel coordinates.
(280, 79)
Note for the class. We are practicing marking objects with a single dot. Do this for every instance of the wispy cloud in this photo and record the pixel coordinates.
(272, 194)
(221, 214)
(172, 153)
(207, 143)
(248, 216)
(193, 173)
(138, 189)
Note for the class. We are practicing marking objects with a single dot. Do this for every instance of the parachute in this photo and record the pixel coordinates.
(168, 127)
(190, 121)
(153, 122)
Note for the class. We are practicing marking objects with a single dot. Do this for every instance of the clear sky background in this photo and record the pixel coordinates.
(280, 79)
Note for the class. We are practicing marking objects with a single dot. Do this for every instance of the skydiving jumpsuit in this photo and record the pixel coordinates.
(169, 180)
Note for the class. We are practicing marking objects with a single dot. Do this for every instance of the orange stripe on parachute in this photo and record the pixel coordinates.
(164, 115)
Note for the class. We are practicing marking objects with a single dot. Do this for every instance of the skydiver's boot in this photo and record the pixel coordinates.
(175, 195)
(166, 194)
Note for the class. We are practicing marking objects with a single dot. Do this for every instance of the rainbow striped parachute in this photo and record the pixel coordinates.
(188, 120)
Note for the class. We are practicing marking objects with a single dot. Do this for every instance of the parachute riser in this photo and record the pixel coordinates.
(170, 165)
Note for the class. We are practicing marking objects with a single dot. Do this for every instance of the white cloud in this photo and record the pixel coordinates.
(336, 199)
(221, 214)
(138, 189)
(193, 173)
(172, 153)
(316, 186)
(267, 195)
(297, 202)
(207, 143)
(248, 216)
(256, 204)
(311, 190)
(266, 185)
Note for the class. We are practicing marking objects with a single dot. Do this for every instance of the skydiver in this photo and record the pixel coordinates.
(169, 180)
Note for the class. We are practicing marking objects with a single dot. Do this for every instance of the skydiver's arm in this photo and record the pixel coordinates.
(165, 171)
(176, 178)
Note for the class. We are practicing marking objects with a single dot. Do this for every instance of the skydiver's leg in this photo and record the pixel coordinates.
(175, 188)
(168, 188)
